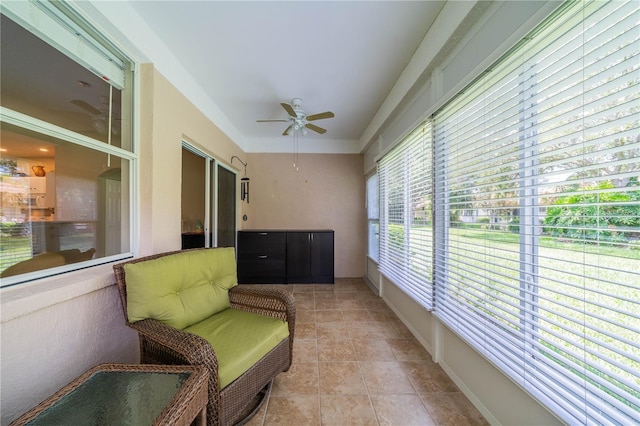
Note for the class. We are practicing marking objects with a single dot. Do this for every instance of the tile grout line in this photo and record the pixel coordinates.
(382, 321)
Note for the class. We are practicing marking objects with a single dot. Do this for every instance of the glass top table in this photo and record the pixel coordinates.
(124, 394)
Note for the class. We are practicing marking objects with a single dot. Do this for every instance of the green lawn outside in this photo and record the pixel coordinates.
(491, 263)
(13, 250)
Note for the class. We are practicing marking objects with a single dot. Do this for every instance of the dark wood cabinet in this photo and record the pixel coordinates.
(310, 256)
(262, 257)
(285, 256)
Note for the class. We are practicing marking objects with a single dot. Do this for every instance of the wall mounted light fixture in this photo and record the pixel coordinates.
(244, 181)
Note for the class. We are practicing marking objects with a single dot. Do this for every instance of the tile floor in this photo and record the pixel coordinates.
(355, 363)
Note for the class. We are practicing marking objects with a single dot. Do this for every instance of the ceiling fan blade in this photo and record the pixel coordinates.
(289, 109)
(82, 104)
(320, 116)
(315, 128)
(286, 132)
(272, 121)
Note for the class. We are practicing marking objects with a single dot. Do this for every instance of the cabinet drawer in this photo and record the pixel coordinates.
(262, 242)
(261, 265)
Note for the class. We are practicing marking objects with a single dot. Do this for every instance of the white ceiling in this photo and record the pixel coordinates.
(237, 60)
(249, 56)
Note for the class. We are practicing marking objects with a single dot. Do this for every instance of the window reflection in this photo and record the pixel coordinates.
(60, 203)
(72, 213)
(39, 81)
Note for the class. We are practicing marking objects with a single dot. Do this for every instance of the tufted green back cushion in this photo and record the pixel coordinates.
(181, 289)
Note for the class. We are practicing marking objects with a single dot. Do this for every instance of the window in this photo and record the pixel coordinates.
(536, 204)
(67, 145)
(538, 200)
(373, 216)
(405, 217)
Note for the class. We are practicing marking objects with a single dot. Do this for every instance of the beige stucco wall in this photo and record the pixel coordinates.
(168, 118)
(56, 328)
(326, 191)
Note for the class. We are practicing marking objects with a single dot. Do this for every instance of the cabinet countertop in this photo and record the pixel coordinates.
(286, 230)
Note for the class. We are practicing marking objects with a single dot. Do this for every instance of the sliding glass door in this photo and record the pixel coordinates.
(226, 207)
(208, 201)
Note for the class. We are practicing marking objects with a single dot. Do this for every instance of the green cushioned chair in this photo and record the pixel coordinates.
(188, 309)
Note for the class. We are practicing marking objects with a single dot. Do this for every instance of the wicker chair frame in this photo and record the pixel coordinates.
(163, 344)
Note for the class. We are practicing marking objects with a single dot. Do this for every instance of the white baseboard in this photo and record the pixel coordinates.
(461, 385)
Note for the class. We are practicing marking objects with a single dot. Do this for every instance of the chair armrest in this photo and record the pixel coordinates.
(193, 349)
(273, 302)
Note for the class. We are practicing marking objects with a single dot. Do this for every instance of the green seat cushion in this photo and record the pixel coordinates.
(240, 339)
(181, 289)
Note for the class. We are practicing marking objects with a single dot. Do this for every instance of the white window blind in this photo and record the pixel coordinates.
(538, 201)
(405, 180)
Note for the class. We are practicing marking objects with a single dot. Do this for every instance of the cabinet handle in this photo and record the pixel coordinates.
(262, 256)
(262, 233)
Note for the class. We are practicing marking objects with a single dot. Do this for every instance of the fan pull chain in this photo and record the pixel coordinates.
(295, 150)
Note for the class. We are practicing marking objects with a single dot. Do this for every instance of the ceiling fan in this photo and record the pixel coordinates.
(99, 117)
(299, 120)
(89, 118)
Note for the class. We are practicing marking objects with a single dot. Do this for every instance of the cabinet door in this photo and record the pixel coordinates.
(298, 257)
(322, 257)
(37, 185)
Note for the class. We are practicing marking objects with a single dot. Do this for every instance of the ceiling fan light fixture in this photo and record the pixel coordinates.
(99, 125)
(296, 103)
(299, 119)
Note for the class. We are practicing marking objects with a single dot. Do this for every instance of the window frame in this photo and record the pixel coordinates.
(373, 216)
(543, 378)
(99, 54)
(406, 251)
(526, 343)
(211, 201)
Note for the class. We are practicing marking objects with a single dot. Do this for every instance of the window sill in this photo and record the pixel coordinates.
(23, 299)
